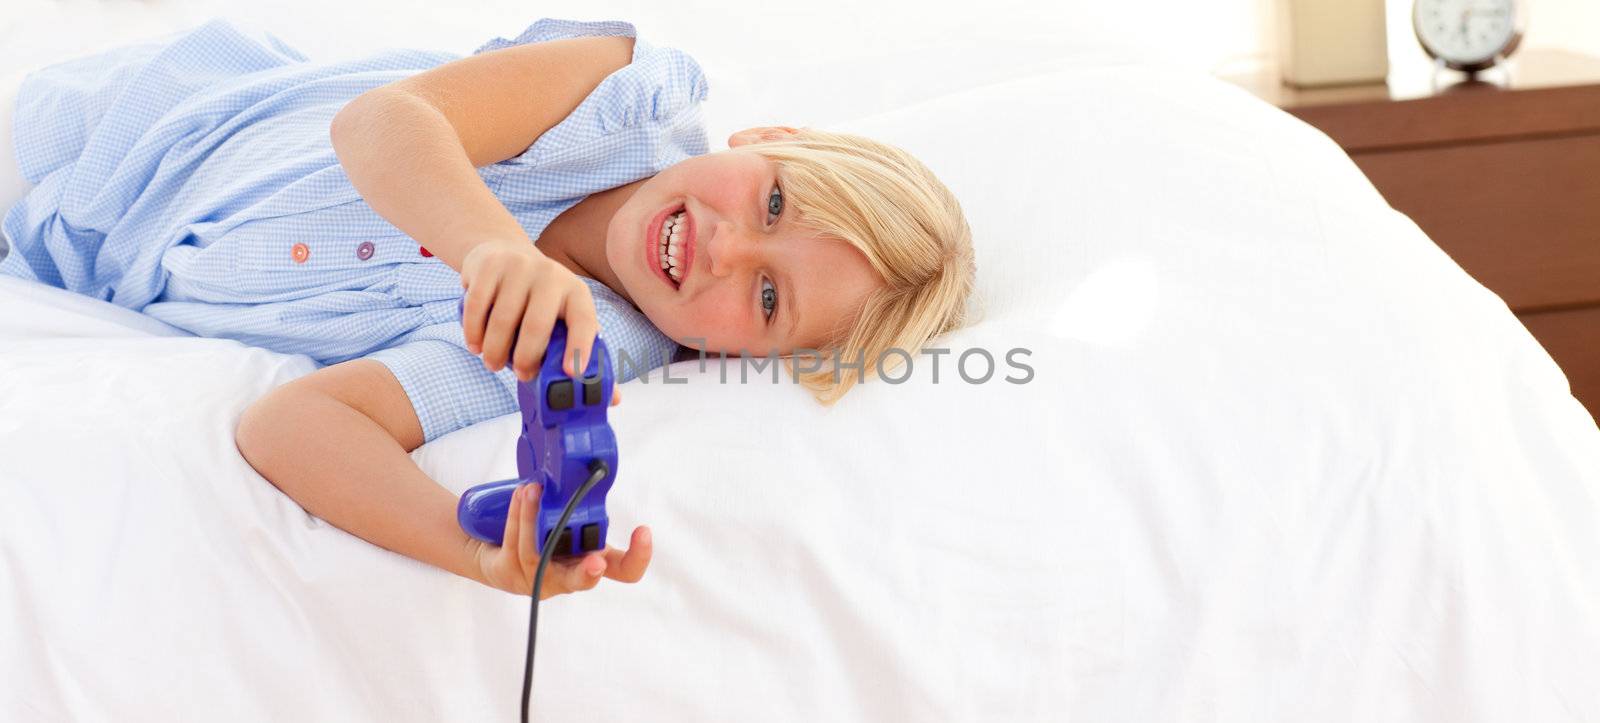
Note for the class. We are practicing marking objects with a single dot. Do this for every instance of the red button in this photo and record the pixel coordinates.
(300, 252)
(424, 252)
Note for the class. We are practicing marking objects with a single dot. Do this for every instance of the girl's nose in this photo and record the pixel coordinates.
(730, 250)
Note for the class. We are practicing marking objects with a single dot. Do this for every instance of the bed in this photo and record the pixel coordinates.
(1277, 458)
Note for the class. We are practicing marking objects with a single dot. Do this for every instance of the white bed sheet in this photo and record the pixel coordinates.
(1281, 459)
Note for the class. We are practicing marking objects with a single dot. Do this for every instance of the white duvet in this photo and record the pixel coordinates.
(1279, 459)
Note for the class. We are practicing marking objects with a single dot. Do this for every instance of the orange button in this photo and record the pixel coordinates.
(300, 252)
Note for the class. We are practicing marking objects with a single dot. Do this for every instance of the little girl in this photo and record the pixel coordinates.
(221, 183)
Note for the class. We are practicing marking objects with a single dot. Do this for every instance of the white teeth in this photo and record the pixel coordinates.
(672, 235)
(670, 230)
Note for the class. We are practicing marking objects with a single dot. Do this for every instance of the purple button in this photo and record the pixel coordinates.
(364, 251)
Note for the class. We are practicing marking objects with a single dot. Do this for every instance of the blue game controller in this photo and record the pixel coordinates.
(565, 439)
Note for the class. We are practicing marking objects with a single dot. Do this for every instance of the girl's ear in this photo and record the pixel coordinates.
(758, 135)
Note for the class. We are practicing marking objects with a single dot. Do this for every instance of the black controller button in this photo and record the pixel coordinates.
(591, 391)
(591, 536)
(564, 542)
(559, 395)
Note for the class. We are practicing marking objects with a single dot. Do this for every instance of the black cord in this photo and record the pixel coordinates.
(597, 472)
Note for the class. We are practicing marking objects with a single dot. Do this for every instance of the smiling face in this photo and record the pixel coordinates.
(746, 274)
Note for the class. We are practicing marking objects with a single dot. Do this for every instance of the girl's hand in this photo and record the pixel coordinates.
(514, 294)
(511, 565)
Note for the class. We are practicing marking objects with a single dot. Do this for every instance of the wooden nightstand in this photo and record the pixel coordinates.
(1505, 179)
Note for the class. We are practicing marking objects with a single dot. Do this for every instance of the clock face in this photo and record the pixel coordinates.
(1466, 33)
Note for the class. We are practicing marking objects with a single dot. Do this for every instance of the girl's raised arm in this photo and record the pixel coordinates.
(412, 147)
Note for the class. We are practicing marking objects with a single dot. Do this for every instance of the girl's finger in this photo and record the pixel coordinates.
(528, 543)
(475, 311)
(586, 574)
(630, 566)
(509, 304)
(582, 325)
(564, 577)
(616, 395)
(534, 336)
(513, 523)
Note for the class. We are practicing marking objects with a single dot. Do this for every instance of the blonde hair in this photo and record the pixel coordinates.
(887, 204)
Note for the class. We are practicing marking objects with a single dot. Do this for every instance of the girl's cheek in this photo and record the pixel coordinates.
(718, 315)
(710, 321)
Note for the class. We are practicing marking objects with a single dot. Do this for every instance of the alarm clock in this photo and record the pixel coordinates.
(1468, 35)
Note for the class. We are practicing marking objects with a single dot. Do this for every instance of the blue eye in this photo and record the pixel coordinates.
(769, 299)
(775, 203)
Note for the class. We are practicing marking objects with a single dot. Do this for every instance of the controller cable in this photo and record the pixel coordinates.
(597, 472)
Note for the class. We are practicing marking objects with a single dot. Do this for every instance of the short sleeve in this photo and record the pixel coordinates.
(448, 387)
(546, 29)
(651, 93)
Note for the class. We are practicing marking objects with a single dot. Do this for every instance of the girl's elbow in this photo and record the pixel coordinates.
(259, 428)
(349, 117)
(338, 127)
(248, 433)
